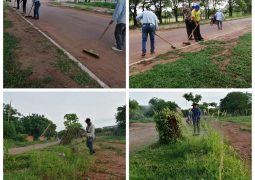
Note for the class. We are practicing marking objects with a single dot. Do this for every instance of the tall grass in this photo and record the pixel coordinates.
(58, 162)
(190, 158)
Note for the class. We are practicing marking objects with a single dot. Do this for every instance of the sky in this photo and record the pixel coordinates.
(100, 107)
(207, 96)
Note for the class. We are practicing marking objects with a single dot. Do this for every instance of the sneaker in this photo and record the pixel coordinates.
(143, 54)
(116, 49)
(201, 39)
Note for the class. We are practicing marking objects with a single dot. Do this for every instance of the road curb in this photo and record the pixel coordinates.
(69, 55)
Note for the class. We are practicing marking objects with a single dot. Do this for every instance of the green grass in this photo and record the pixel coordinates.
(201, 69)
(117, 139)
(57, 162)
(190, 158)
(244, 120)
(143, 120)
(70, 68)
(9, 143)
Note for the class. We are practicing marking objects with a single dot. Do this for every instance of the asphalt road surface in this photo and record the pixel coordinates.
(178, 36)
(75, 30)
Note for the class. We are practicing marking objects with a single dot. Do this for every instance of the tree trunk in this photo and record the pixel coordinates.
(230, 8)
(176, 14)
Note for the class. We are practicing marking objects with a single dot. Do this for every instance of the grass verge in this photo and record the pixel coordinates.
(244, 120)
(190, 158)
(58, 162)
(9, 143)
(208, 68)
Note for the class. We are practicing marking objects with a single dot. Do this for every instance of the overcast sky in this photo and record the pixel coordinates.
(212, 96)
(101, 107)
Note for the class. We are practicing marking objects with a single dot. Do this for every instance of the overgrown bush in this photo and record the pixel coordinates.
(168, 125)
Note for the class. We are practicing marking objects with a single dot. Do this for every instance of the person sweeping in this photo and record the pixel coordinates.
(196, 17)
(119, 16)
(150, 24)
(195, 115)
(188, 20)
(90, 133)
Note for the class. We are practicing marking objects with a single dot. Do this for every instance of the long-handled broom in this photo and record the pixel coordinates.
(172, 46)
(29, 16)
(187, 42)
(91, 51)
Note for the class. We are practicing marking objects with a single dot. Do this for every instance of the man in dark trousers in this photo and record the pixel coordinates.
(195, 115)
(119, 16)
(188, 20)
(196, 17)
(18, 1)
(24, 6)
(150, 25)
(90, 133)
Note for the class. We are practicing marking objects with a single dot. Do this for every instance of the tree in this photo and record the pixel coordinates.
(237, 103)
(121, 117)
(71, 121)
(160, 104)
(133, 10)
(133, 105)
(192, 98)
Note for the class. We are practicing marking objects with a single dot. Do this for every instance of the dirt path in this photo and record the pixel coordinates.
(239, 136)
(110, 162)
(75, 30)
(177, 36)
(21, 150)
(141, 134)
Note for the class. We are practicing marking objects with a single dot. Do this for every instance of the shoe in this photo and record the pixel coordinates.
(143, 54)
(201, 39)
(116, 49)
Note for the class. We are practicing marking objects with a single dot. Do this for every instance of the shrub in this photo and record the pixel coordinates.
(168, 125)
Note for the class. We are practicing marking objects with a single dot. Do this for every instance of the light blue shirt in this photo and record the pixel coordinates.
(219, 16)
(119, 15)
(148, 17)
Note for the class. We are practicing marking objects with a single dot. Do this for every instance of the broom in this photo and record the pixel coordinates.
(187, 42)
(27, 16)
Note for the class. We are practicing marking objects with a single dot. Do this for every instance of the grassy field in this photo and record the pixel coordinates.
(142, 120)
(57, 162)
(244, 120)
(190, 158)
(11, 143)
(202, 69)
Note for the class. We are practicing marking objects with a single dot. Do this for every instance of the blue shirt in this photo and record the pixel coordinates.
(119, 15)
(219, 16)
(195, 113)
(148, 17)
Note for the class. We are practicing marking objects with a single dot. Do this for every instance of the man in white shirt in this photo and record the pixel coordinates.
(219, 16)
(150, 24)
(90, 133)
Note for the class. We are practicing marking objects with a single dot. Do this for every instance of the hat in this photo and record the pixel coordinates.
(197, 7)
(147, 6)
(87, 120)
(194, 104)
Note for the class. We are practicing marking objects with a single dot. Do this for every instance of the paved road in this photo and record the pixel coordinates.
(177, 36)
(21, 150)
(75, 30)
(142, 134)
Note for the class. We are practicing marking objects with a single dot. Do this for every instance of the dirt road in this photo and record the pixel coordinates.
(239, 136)
(177, 36)
(21, 150)
(141, 134)
(75, 30)
(110, 162)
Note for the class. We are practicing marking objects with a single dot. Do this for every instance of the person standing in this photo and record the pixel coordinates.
(219, 16)
(90, 133)
(119, 16)
(18, 1)
(24, 6)
(188, 20)
(196, 17)
(195, 115)
(36, 8)
(150, 24)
